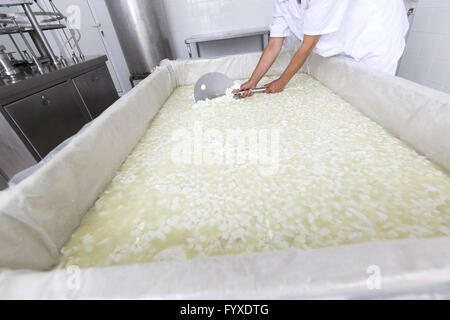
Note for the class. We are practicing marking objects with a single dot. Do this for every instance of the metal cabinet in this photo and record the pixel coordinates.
(49, 117)
(14, 154)
(103, 96)
(3, 181)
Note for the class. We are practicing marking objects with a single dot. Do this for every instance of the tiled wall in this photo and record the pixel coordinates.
(427, 55)
(187, 18)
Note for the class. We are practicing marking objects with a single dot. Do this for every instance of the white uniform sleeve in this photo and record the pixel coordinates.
(279, 27)
(325, 16)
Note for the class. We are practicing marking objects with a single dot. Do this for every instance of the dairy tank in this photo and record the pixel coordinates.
(138, 24)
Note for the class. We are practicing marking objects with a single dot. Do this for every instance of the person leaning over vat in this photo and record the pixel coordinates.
(366, 31)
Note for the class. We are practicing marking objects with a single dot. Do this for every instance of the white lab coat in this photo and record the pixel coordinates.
(368, 31)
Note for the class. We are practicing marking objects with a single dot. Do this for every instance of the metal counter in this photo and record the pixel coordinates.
(198, 39)
(41, 111)
(37, 82)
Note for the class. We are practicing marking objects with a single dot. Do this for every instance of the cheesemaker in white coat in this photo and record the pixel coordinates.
(367, 31)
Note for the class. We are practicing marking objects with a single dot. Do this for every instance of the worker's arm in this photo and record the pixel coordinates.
(309, 43)
(268, 57)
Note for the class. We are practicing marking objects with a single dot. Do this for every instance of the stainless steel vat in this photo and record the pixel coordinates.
(138, 27)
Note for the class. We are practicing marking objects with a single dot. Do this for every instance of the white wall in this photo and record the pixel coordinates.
(427, 55)
(111, 44)
(187, 18)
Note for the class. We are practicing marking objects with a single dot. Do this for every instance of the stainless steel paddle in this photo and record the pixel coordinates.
(212, 85)
(215, 84)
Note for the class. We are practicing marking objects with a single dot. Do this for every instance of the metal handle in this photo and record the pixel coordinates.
(256, 90)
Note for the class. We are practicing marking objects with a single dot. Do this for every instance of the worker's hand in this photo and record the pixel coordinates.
(247, 86)
(275, 86)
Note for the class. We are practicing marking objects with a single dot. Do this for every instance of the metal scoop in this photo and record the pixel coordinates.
(212, 85)
(215, 84)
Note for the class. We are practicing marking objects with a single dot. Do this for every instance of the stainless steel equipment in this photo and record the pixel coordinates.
(6, 65)
(137, 23)
(212, 85)
(3, 181)
(215, 84)
(263, 33)
(33, 23)
(14, 154)
(49, 117)
(44, 99)
(104, 94)
(43, 44)
(40, 112)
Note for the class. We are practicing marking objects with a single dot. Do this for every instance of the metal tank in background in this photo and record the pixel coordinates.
(138, 24)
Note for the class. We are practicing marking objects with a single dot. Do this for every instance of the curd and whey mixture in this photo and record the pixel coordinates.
(300, 169)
